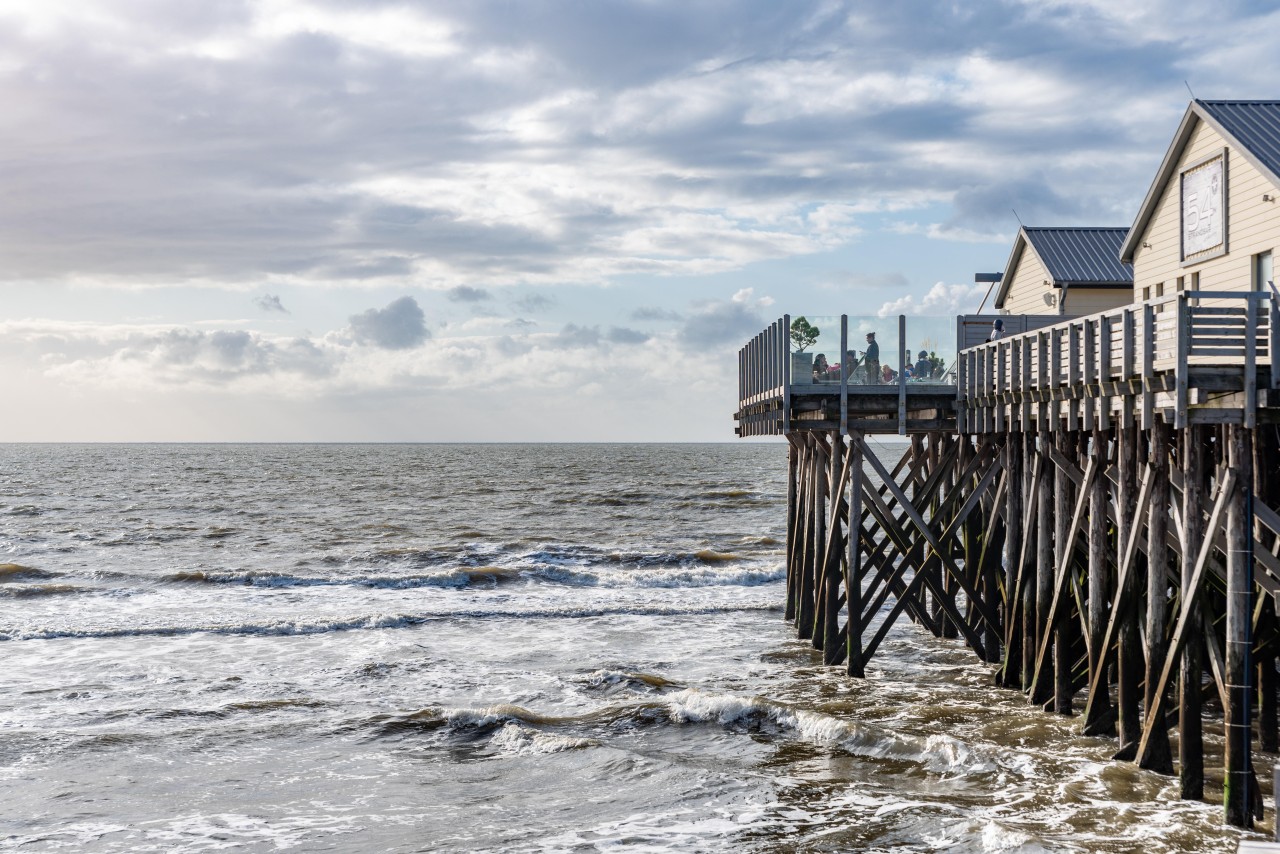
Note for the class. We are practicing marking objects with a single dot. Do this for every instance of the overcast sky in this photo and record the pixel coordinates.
(308, 220)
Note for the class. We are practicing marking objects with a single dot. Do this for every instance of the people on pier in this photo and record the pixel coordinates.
(888, 374)
(924, 367)
(997, 330)
(871, 360)
(820, 368)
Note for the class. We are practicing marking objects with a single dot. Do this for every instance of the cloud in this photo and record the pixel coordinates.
(654, 313)
(465, 293)
(942, 299)
(622, 335)
(574, 337)
(267, 302)
(245, 141)
(533, 303)
(718, 325)
(856, 281)
(399, 326)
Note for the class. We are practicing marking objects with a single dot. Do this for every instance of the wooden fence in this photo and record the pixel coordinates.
(1119, 363)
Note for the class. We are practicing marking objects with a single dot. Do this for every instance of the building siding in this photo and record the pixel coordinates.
(1081, 301)
(1026, 294)
(1253, 225)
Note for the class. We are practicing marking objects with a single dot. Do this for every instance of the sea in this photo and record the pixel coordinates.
(492, 647)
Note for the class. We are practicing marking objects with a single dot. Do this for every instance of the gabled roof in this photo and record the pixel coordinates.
(1073, 257)
(1252, 127)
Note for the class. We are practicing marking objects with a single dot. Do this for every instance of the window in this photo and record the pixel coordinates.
(1159, 289)
(1146, 294)
(1261, 271)
(1182, 282)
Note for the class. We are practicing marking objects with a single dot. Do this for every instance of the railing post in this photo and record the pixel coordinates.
(902, 375)
(1273, 348)
(1251, 364)
(1073, 375)
(786, 373)
(1148, 364)
(1094, 331)
(1184, 354)
(844, 374)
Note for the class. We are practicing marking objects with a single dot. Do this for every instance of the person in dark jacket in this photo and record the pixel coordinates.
(924, 368)
(871, 360)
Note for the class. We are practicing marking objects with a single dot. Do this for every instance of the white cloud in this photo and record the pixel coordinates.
(941, 300)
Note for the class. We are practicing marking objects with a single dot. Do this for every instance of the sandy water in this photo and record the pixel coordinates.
(489, 647)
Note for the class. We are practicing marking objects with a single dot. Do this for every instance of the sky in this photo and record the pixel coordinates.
(312, 220)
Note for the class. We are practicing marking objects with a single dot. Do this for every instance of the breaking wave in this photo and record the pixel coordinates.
(377, 621)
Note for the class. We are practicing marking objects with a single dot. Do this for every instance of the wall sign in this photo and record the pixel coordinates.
(1204, 208)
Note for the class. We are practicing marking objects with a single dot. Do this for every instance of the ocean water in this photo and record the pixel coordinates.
(490, 647)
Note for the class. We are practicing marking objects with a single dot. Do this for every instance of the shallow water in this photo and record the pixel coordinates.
(494, 647)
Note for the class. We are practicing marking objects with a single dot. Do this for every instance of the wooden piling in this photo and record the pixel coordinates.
(1190, 730)
(1237, 796)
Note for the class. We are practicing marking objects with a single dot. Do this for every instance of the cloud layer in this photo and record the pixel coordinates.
(478, 144)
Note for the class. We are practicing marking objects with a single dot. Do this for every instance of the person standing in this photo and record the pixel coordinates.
(871, 360)
(997, 330)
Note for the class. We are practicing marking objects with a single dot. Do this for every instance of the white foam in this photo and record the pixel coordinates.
(517, 740)
(939, 753)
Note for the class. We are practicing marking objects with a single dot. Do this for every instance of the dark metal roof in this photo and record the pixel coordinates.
(1255, 126)
(1082, 256)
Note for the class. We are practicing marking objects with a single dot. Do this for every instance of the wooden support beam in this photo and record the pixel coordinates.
(853, 566)
(1190, 729)
(1237, 773)
(1064, 557)
(1125, 608)
(1098, 712)
(1159, 571)
(1040, 685)
(1119, 614)
(1188, 622)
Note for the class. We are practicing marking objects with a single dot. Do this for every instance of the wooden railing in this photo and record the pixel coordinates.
(763, 365)
(1129, 352)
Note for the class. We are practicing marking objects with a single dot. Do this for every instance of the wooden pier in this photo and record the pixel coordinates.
(1091, 507)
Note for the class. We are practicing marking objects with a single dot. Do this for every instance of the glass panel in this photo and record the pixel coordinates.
(930, 356)
(815, 349)
(872, 360)
(931, 350)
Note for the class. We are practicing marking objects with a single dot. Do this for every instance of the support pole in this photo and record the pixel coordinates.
(1237, 797)
(1097, 716)
(1011, 672)
(853, 581)
(1044, 568)
(1160, 758)
(1190, 731)
(1063, 634)
(1129, 665)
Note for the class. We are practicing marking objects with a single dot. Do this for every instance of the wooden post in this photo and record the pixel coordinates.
(1028, 554)
(832, 648)
(793, 469)
(1012, 669)
(1160, 757)
(1098, 715)
(1190, 731)
(1063, 685)
(1044, 569)
(1129, 653)
(853, 582)
(1237, 797)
